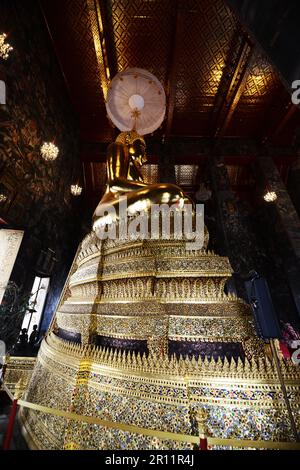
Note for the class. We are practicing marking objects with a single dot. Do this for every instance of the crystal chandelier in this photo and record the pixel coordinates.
(5, 48)
(76, 190)
(270, 196)
(49, 151)
(3, 193)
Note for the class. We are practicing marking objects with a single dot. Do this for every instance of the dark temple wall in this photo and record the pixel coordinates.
(37, 109)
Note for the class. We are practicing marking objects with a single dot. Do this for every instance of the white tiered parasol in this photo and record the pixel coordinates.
(136, 100)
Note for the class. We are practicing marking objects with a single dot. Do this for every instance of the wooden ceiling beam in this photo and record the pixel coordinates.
(174, 56)
(291, 109)
(280, 125)
(105, 15)
(102, 36)
(232, 83)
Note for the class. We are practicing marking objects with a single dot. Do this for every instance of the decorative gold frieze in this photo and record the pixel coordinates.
(261, 368)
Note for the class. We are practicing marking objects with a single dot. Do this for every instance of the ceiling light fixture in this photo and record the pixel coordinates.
(49, 151)
(3, 193)
(270, 196)
(76, 190)
(5, 48)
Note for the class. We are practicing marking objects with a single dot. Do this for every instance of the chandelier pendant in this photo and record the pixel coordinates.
(270, 196)
(49, 151)
(5, 48)
(76, 190)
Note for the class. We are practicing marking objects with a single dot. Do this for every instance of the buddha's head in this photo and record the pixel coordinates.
(137, 152)
(136, 146)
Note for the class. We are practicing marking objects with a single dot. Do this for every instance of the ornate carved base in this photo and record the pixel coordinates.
(146, 296)
(242, 400)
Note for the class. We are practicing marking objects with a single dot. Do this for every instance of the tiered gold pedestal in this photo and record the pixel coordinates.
(152, 293)
(152, 290)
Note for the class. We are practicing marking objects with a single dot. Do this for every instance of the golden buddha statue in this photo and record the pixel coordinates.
(145, 342)
(125, 157)
(146, 346)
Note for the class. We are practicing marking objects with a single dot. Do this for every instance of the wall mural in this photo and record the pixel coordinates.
(10, 241)
(37, 109)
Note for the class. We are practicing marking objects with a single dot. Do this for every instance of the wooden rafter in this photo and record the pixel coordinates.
(282, 123)
(171, 86)
(278, 116)
(290, 111)
(99, 36)
(232, 86)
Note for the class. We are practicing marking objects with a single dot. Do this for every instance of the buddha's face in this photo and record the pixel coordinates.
(137, 152)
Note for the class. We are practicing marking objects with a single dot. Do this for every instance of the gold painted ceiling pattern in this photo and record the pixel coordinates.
(217, 80)
(192, 46)
(142, 35)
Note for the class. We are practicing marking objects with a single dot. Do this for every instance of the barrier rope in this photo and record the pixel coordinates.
(163, 435)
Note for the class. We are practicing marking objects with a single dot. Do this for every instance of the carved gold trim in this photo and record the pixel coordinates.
(261, 370)
(156, 274)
